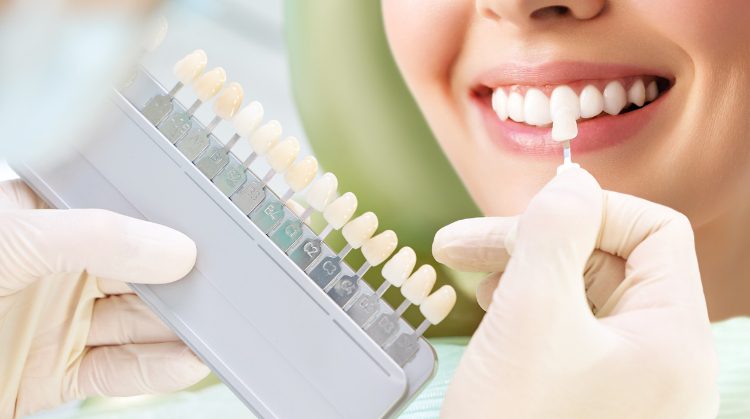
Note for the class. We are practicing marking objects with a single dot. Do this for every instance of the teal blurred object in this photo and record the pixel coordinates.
(364, 126)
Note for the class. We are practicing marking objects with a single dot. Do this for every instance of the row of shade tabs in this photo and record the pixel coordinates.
(321, 195)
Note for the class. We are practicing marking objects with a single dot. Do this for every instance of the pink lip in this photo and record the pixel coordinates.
(593, 134)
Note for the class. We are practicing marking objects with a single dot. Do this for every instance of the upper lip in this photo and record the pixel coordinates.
(560, 72)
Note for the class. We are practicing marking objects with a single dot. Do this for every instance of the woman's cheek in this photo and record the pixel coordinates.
(426, 36)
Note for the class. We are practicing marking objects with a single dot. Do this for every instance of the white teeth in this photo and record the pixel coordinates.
(500, 104)
(592, 102)
(359, 230)
(637, 93)
(515, 107)
(615, 98)
(281, 156)
(247, 119)
(536, 108)
(439, 304)
(322, 192)
(652, 91)
(418, 286)
(378, 248)
(563, 97)
(400, 266)
(340, 211)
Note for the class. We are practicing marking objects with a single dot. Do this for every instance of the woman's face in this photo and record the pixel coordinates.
(686, 145)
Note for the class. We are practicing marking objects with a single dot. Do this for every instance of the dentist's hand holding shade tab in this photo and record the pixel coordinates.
(541, 353)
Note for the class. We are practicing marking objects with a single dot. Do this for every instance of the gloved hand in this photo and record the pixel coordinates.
(541, 353)
(69, 326)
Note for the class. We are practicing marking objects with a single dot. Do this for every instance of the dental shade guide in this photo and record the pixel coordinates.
(257, 252)
(565, 129)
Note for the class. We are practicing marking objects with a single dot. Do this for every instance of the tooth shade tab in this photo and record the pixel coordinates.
(418, 286)
(301, 173)
(564, 97)
(399, 267)
(322, 191)
(500, 103)
(246, 121)
(229, 101)
(283, 154)
(209, 83)
(515, 106)
(652, 91)
(358, 230)
(637, 93)
(190, 66)
(436, 307)
(156, 33)
(265, 137)
(378, 248)
(340, 211)
(615, 98)
(564, 126)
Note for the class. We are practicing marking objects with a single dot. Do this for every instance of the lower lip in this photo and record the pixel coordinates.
(593, 134)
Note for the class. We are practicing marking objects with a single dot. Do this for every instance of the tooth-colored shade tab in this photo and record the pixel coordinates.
(358, 230)
(592, 102)
(229, 100)
(190, 66)
(418, 286)
(247, 119)
(265, 137)
(637, 93)
(322, 191)
(301, 173)
(377, 249)
(615, 98)
(564, 97)
(564, 126)
(500, 103)
(436, 307)
(156, 35)
(515, 106)
(283, 154)
(399, 267)
(209, 83)
(340, 211)
(652, 91)
(536, 108)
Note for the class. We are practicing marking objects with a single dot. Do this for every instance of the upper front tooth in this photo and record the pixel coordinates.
(615, 98)
(592, 102)
(563, 97)
(652, 91)
(500, 103)
(536, 108)
(637, 93)
(515, 106)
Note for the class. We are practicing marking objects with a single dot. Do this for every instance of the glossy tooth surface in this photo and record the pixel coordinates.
(615, 98)
(190, 66)
(399, 267)
(515, 107)
(265, 137)
(439, 304)
(248, 119)
(536, 108)
(500, 103)
(418, 286)
(229, 101)
(209, 83)
(564, 126)
(563, 97)
(637, 93)
(301, 173)
(281, 155)
(358, 230)
(322, 191)
(340, 211)
(156, 34)
(652, 91)
(379, 247)
(592, 102)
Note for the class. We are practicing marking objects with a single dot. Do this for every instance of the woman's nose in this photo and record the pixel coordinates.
(527, 13)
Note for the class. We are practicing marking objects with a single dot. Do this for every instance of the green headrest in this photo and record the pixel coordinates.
(365, 127)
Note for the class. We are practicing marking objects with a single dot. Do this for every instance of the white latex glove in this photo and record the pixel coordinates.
(69, 326)
(541, 353)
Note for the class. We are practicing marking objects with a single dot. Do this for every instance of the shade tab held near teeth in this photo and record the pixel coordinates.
(436, 307)
(229, 101)
(322, 191)
(358, 230)
(265, 137)
(399, 267)
(379, 247)
(248, 119)
(418, 286)
(340, 211)
(564, 126)
(564, 97)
